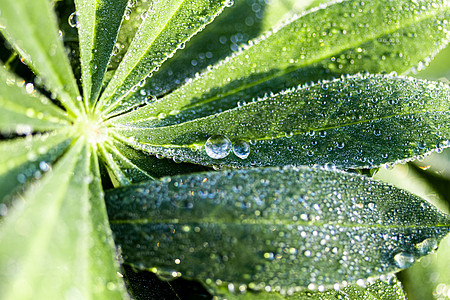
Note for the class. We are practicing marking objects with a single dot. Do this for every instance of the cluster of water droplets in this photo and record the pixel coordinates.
(219, 146)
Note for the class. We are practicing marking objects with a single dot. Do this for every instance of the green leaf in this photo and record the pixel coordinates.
(357, 121)
(31, 27)
(343, 38)
(98, 23)
(272, 227)
(28, 159)
(57, 244)
(23, 110)
(389, 289)
(123, 170)
(167, 26)
(151, 165)
(235, 26)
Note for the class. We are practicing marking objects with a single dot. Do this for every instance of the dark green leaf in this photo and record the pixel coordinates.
(357, 121)
(98, 23)
(28, 159)
(345, 37)
(31, 27)
(277, 228)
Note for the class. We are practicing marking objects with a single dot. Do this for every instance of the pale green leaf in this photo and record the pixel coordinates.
(357, 121)
(389, 289)
(23, 110)
(345, 37)
(98, 24)
(272, 227)
(56, 243)
(31, 27)
(28, 159)
(430, 278)
(166, 27)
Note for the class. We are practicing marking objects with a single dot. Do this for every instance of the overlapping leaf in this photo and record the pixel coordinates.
(31, 27)
(28, 159)
(98, 23)
(343, 38)
(273, 227)
(166, 27)
(58, 245)
(389, 289)
(356, 121)
(23, 110)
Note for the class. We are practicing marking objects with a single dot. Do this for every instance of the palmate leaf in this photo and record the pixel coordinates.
(59, 245)
(98, 24)
(278, 228)
(165, 28)
(23, 113)
(389, 289)
(31, 27)
(357, 121)
(343, 38)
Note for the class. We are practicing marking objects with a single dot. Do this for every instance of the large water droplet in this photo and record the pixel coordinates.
(218, 146)
(427, 246)
(73, 20)
(241, 149)
(404, 260)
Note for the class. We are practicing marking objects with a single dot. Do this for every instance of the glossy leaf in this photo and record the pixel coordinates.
(242, 22)
(23, 110)
(28, 159)
(283, 228)
(98, 23)
(166, 27)
(390, 289)
(342, 38)
(57, 244)
(31, 27)
(357, 121)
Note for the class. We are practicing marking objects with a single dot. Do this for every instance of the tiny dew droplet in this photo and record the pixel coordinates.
(427, 246)
(241, 149)
(218, 146)
(404, 260)
(73, 20)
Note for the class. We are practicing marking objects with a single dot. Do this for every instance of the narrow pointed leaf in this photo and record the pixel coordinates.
(98, 24)
(67, 255)
(123, 170)
(22, 112)
(273, 227)
(28, 159)
(345, 37)
(155, 166)
(235, 26)
(31, 27)
(167, 26)
(390, 289)
(358, 121)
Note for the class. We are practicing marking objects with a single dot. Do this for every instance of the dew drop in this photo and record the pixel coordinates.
(404, 260)
(73, 20)
(218, 146)
(241, 149)
(427, 246)
(228, 3)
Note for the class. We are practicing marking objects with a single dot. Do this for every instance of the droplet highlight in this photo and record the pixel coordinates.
(218, 147)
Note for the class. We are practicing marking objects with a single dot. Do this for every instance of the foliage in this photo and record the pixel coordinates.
(134, 106)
